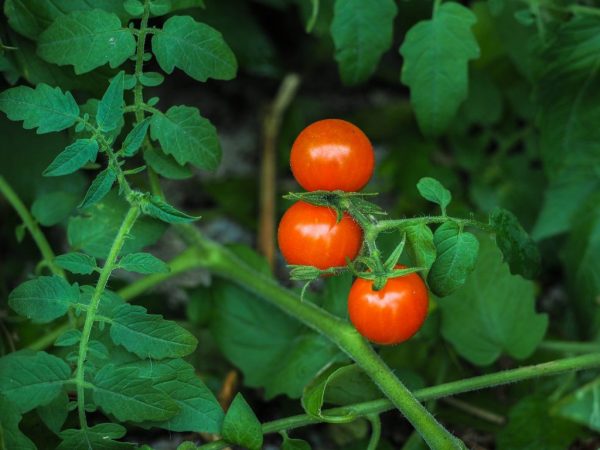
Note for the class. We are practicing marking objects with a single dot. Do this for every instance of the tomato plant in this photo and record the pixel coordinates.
(146, 149)
(311, 235)
(332, 154)
(392, 314)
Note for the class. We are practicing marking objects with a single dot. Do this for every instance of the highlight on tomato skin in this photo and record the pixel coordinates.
(394, 313)
(310, 235)
(332, 154)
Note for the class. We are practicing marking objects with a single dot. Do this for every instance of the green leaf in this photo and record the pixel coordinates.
(78, 263)
(160, 7)
(98, 437)
(11, 436)
(99, 188)
(456, 257)
(121, 392)
(362, 32)
(149, 335)
(55, 413)
(68, 338)
(143, 263)
(494, 312)
(187, 136)
(432, 190)
(420, 245)
(436, 54)
(31, 17)
(74, 157)
(111, 107)
(195, 48)
(519, 250)
(43, 299)
(32, 379)
(581, 406)
(241, 427)
(165, 165)
(86, 40)
(531, 427)
(95, 230)
(580, 258)
(284, 355)
(109, 301)
(294, 444)
(158, 208)
(45, 108)
(313, 397)
(151, 79)
(199, 410)
(133, 141)
(57, 197)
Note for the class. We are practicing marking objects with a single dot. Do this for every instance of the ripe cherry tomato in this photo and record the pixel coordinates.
(309, 235)
(332, 154)
(392, 314)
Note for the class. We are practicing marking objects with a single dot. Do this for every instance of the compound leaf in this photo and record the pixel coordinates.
(86, 40)
(43, 299)
(197, 49)
(436, 54)
(45, 108)
(362, 32)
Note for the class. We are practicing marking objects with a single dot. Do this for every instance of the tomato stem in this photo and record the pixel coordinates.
(90, 317)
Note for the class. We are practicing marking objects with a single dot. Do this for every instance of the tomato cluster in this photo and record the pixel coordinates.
(330, 155)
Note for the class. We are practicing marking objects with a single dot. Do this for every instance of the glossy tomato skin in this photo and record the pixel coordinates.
(332, 154)
(308, 235)
(392, 314)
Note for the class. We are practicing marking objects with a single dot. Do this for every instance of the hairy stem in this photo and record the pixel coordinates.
(443, 390)
(105, 273)
(36, 233)
(139, 63)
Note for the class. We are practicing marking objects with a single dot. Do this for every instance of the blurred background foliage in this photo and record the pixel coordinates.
(526, 138)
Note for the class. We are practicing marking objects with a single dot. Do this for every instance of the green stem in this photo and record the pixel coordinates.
(31, 225)
(443, 390)
(399, 224)
(226, 264)
(105, 273)
(139, 63)
(569, 347)
(375, 431)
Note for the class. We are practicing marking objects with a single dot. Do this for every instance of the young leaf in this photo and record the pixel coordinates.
(43, 299)
(75, 156)
(86, 40)
(581, 405)
(313, 396)
(158, 208)
(151, 79)
(456, 257)
(436, 54)
(421, 247)
(68, 338)
(195, 48)
(54, 414)
(135, 138)
(494, 312)
(31, 379)
(362, 32)
(149, 335)
(432, 190)
(78, 263)
(99, 188)
(97, 437)
(187, 136)
(241, 426)
(519, 250)
(121, 392)
(10, 434)
(160, 7)
(294, 444)
(199, 410)
(143, 263)
(110, 107)
(532, 426)
(44, 107)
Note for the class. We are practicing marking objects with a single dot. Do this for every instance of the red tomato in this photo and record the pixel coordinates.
(309, 235)
(392, 314)
(332, 154)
